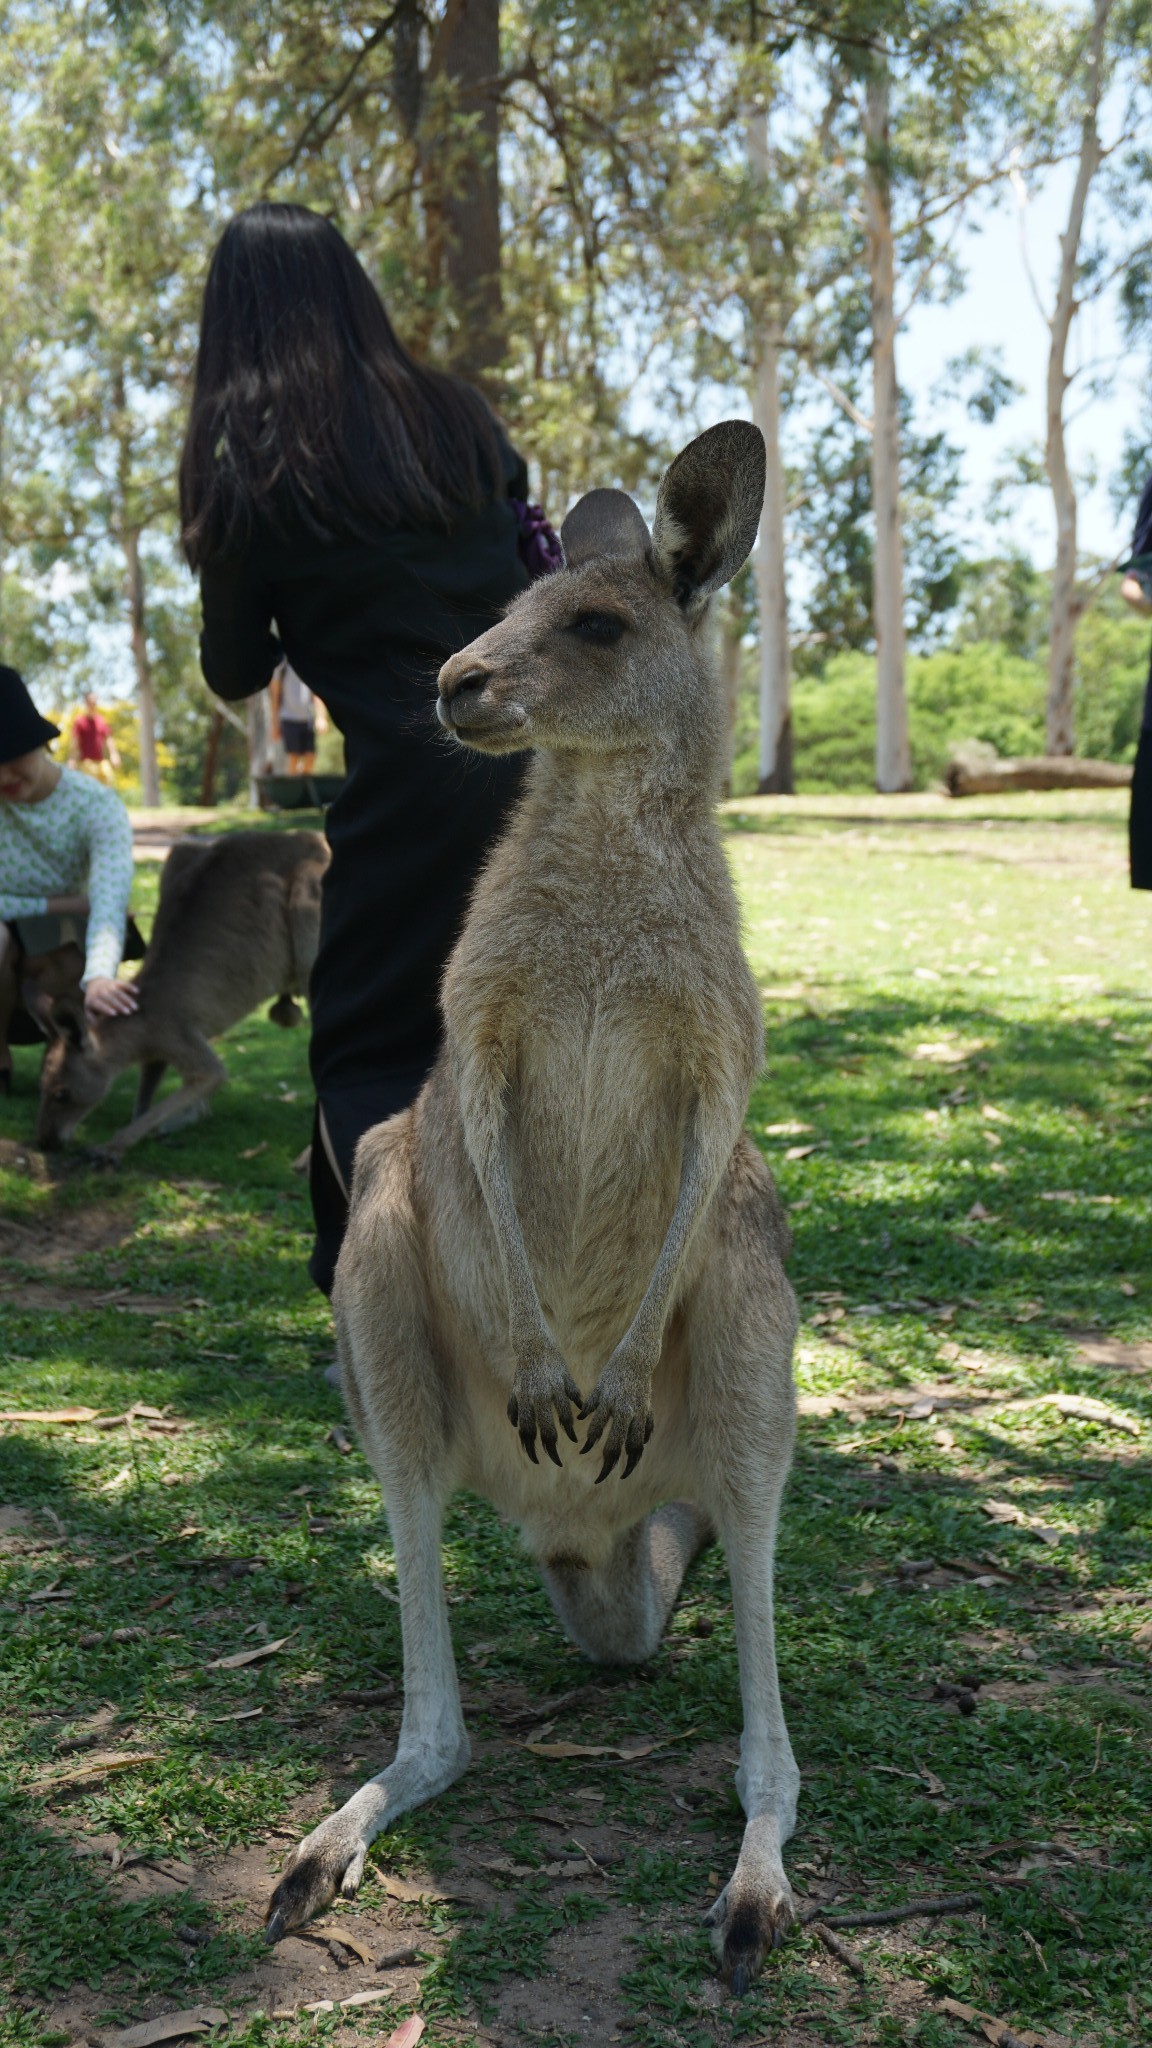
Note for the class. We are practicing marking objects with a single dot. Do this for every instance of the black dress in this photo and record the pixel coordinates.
(1140, 814)
(366, 623)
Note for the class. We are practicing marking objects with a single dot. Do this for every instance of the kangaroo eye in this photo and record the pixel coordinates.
(602, 628)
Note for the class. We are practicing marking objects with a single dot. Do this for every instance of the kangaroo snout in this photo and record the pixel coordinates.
(470, 707)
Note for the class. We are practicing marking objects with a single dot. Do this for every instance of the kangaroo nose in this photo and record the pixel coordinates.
(456, 683)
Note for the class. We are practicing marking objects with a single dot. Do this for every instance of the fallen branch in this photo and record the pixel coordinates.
(978, 771)
(958, 1902)
(396, 1958)
(838, 1948)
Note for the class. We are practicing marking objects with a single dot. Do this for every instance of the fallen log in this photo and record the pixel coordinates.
(978, 770)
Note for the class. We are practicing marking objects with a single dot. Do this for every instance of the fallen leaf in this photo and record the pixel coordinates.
(805, 1151)
(199, 2019)
(997, 2031)
(920, 1411)
(627, 1753)
(245, 1714)
(336, 1930)
(410, 1894)
(979, 1214)
(96, 1767)
(788, 1130)
(367, 1997)
(407, 2033)
(239, 1657)
(49, 1415)
(119, 1479)
(1001, 1511)
(254, 1151)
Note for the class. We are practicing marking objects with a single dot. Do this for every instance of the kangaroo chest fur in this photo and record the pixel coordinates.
(611, 984)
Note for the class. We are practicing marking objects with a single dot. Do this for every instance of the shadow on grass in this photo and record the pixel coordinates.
(862, 1645)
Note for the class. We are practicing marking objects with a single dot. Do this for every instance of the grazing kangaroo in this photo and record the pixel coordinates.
(238, 921)
(569, 1225)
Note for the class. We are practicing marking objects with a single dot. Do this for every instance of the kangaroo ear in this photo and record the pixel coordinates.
(604, 523)
(38, 1004)
(708, 510)
(67, 1019)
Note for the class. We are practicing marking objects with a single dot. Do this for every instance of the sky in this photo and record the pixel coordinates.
(997, 310)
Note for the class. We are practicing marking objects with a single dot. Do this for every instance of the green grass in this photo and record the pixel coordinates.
(923, 966)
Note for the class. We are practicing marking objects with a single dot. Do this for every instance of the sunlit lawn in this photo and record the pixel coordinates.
(958, 1105)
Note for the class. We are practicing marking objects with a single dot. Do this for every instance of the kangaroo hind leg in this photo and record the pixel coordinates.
(393, 1385)
(616, 1612)
(741, 1327)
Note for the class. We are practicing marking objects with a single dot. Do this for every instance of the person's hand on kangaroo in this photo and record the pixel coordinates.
(1133, 592)
(104, 996)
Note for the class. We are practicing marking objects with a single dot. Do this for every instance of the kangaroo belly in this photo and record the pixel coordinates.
(596, 1154)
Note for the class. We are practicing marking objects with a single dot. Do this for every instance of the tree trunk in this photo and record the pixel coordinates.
(774, 773)
(1060, 732)
(260, 756)
(893, 759)
(731, 636)
(145, 693)
(467, 55)
(211, 756)
(774, 767)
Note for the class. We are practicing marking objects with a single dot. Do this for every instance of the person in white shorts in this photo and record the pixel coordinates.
(65, 864)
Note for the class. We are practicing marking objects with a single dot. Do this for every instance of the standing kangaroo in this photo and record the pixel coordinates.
(238, 921)
(569, 1225)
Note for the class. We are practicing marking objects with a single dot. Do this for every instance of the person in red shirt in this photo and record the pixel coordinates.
(93, 747)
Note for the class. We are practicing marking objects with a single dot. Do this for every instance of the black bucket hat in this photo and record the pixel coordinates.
(22, 729)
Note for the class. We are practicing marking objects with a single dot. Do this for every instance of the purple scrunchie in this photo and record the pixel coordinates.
(537, 545)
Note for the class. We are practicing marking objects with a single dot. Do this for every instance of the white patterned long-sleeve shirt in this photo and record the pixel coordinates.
(76, 841)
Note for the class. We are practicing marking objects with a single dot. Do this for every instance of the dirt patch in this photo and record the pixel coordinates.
(53, 1240)
(1117, 1357)
(27, 1162)
(297, 1972)
(42, 1295)
(575, 1994)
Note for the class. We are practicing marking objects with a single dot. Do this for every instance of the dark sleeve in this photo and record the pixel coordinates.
(515, 472)
(1142, 536)
(238, 649)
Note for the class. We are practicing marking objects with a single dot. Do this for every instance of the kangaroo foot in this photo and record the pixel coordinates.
(620, 1403)
(285, 1012)
(543, 1389)
(747, 1920)
(329, 1860)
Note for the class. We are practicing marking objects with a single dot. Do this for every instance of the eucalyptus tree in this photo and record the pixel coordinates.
(105, 148)
(1090, 67)
(926, 125)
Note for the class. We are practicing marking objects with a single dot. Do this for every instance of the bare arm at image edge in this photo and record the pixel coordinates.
(109, 835)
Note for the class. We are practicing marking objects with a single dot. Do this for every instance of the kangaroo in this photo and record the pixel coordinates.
(569, 1228)
(238, 921)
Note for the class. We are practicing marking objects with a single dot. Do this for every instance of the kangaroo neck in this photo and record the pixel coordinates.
(614, 799)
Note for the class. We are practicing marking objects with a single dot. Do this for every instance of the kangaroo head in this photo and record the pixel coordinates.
(74, 1076)
(609, 655)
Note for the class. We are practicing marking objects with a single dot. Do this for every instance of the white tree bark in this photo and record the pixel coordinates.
(893, 758)
(774, 770)
(145, 692)
(1060, 737)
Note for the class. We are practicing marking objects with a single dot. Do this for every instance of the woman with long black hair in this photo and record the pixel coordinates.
(355, 513)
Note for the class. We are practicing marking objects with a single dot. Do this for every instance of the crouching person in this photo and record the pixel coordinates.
(65, 864)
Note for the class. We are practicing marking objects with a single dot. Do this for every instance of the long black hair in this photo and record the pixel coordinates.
(306, 403)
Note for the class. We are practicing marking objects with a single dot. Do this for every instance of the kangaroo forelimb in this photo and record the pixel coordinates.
(621, 1402)
(543, 1388)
